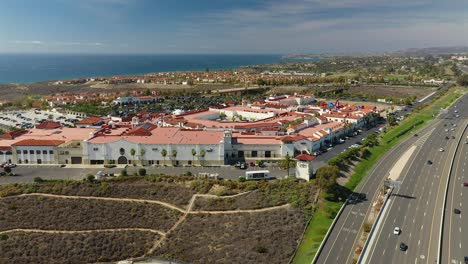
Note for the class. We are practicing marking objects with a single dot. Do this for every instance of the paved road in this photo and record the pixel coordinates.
(417, 206)
(339, 247)
(455, 234)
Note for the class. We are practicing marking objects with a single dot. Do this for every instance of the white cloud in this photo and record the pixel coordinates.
(34, 42)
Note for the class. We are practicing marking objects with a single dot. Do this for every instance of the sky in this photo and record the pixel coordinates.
(229, 26)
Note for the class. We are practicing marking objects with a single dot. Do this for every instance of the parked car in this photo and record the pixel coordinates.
(11, 165)
(243, 166)
(465, 184)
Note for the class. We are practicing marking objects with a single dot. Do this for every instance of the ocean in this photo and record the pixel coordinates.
(27, 68)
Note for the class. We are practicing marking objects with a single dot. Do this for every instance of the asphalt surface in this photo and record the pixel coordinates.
(27, 173)
(340, 245)
(455, 234)
(417, 206)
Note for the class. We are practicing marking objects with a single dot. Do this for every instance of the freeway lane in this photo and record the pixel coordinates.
(455, 235)
(416, 208)
(340, 245)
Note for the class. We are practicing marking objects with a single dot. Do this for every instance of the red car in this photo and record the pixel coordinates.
(465, 184)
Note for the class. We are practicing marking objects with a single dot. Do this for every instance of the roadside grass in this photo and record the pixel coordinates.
(316, 230)
(326, 212)
(394, 135)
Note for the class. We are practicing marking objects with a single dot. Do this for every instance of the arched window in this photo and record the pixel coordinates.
(122, 151)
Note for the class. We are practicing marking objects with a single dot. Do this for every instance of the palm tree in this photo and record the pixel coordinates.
(174, 153)
(202, 154)
(287, 162)
(164, 154)
(142, 154)
(133, 152)
(194, 153)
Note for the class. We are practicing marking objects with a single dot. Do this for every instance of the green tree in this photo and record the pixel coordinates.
(202, 155)
(164, 154)
(194, 153)
(147, 92)
(133, 152)
(222, 116)
(463, 80)
(123, 173)
(391, 120)
(326, 177)
(174, 154)
(287, 162)
(142, 155)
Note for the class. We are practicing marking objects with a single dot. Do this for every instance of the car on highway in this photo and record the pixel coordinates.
(456, 211)
(396, 231)
(465, 184)
(441, 149)
(429, 162)
(403, 247)
(466, 260)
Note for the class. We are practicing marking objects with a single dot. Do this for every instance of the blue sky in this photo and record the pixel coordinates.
(229, 26)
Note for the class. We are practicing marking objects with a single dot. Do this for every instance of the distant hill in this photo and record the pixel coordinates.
(433, 51)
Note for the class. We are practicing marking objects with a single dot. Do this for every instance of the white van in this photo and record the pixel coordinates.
(257, 175)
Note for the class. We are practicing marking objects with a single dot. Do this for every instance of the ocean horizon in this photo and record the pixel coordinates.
(29, 68)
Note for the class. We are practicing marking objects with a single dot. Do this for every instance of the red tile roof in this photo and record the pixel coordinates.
(293, 138)
(48, 125)
(13, 134)
(38, 142)
(305, 157)
(89, 120)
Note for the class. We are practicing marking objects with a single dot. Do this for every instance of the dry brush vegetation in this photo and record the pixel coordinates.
(266, 237)
(37, 212)
(21, 247)
(240, 237)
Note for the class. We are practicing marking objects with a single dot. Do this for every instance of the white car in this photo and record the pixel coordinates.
(396, 231)
(441, 149)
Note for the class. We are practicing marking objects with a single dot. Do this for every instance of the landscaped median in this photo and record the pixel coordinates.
(327, 210)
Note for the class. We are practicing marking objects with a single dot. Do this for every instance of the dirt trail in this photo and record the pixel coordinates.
(168, 205)
(82, 231)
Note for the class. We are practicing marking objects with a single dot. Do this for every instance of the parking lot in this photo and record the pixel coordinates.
(323, 158)
(27, 173)
(28, 119)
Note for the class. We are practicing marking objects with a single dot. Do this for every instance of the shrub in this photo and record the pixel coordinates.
(38, 179)
(3, 237)
(123, 172)
(142, 172)
(90, 178)
(242, 179)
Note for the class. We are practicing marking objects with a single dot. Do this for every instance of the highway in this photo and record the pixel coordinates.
(417, 206)
(455, 234)
(340, 245)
